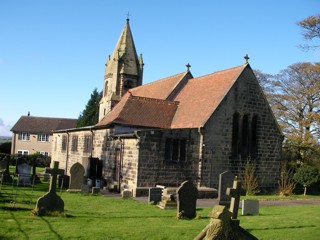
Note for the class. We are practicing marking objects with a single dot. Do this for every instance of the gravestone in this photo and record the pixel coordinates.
(155, 195)
(187, 195)
(85, 189)
(224, 224)
(76, 176)
(126, 194)
(51, 202)
(24, 175)
(3, 165)
(225, 181)
(249, 207)
(95, 190)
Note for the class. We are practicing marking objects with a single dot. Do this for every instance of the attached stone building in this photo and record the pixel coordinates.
(177, 128)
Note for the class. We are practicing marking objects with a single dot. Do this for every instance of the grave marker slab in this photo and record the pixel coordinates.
(85, 189)
(187, 195)
(76, 176)
(225, 181)
(51, 202)
(126, 194)
(235, 193)
(24, 175)
(155, 195)
(250, 207)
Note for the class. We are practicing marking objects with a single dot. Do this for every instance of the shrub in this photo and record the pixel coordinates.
(250, 183)
(306, 175)
(286, 183)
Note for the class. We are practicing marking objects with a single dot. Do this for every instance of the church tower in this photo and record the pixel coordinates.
(124, 70)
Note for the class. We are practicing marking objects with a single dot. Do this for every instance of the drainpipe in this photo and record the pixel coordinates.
(200, 157)
(91, 141)
(67, 158)
(120, 163)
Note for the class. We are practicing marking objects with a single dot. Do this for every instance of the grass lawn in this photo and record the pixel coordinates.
(100, 217)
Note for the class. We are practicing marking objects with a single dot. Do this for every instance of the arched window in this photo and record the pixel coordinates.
(245, 136)
(106, 88)
(235, 134)
(254, 137)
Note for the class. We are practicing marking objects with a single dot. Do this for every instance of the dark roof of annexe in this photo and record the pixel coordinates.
(42, 124)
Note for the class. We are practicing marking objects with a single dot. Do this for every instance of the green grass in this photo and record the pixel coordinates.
(100, 217)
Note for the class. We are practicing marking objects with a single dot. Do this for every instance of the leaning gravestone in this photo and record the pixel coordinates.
(224, 224)
(187, 195)
(51, 202)
(225, 181)
(24, 176)
(76, 177)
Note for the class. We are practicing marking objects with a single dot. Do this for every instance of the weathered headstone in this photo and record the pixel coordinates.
(24, 175)
(51, 202)
(76, 176)
(222, 227)
(155, 194)
(250, 207)
(187, 195)
(224, 224)
(225, 181)
(126, 194)
(85, 189)
(95, 190)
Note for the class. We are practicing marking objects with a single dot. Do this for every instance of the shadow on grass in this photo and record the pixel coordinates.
(280, 228)
(51, 228)
(19, 226)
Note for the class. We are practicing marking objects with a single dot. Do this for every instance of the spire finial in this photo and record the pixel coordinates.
(128, 16)
(188, 67)
(246, 57)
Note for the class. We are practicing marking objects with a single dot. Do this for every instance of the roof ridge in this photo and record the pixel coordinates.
(221, 71)
(150, 83)
(153, 99)
(49, 117)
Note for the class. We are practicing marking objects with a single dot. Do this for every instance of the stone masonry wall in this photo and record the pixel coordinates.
(154, 169)
(245, 97)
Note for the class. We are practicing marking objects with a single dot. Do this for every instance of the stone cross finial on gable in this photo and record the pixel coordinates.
(235, 193)
(54, 172)
(188, 66)
(246, 57)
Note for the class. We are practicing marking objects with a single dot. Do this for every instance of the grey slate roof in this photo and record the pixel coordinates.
(42, 124)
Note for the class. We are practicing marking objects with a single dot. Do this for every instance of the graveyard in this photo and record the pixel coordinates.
(106, 215)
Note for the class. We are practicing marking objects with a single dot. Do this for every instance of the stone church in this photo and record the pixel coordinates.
(174, 129)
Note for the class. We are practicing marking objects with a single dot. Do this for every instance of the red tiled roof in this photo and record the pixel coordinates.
(42, 124)
(198, 99)
(141, 111)
(160, 89)
(201, 96)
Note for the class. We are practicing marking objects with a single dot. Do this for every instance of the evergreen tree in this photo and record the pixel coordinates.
(90, 115)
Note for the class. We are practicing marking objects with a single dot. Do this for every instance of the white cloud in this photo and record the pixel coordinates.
(5, 128)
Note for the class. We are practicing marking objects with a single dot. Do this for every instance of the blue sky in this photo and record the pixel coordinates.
(52, 53)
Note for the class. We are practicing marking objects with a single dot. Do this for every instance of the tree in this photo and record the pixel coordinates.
(311, 27)
(90, 115)
(306, 175)
(296, 104)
